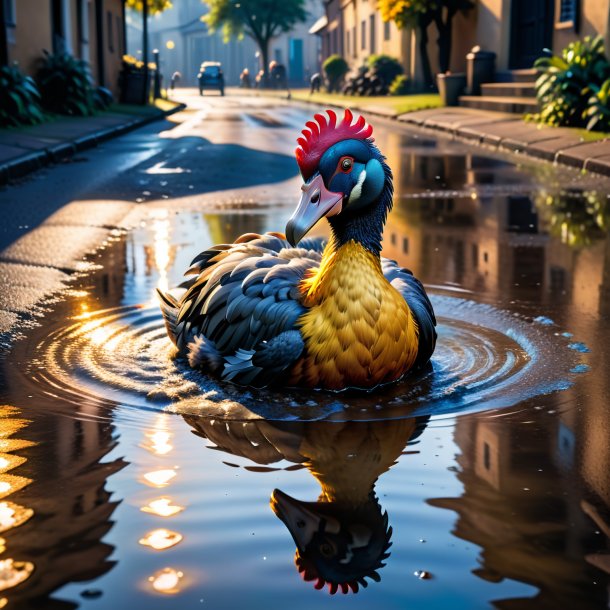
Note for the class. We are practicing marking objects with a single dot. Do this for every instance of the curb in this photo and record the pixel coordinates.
(30, 162)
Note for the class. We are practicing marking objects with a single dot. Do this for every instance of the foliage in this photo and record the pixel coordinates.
(19, 98)
(335, 68)
(576, 218)
(385, 67)
(154, 6)
(400, 85)
(65, 85)
(405, 13)
(260, 20)
(420, 14)
(598, 111)
(567, 84)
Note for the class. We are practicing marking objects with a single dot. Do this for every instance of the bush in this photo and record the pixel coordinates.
(66, 86)
(335, 68)
(400, 85)
(19, 98)
(569, 83)
(385, 68)
(598, 111)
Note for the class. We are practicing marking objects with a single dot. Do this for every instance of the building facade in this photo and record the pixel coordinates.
(92, 30)
(516, 30)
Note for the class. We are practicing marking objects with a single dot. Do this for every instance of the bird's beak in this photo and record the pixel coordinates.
(301, 522)
(316, 201)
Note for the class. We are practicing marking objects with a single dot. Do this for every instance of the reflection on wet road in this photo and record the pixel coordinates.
(489, 485)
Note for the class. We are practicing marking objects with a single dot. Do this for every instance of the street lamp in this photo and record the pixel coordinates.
(157, 87)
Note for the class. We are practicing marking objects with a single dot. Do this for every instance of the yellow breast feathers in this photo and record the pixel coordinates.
(358, 330)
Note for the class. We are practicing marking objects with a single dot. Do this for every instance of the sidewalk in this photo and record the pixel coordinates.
(26, 149)
(574, 147)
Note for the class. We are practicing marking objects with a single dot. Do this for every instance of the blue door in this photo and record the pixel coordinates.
(295, 68)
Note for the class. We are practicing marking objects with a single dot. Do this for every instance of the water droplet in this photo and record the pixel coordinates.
(422, 540)
(581, 368)
(579, 347)
(91, 593)
(422, 574)
(544, 320)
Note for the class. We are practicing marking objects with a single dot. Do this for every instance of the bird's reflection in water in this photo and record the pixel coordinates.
(343, 538)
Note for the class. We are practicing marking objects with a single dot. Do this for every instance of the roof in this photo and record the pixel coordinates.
(319, 25)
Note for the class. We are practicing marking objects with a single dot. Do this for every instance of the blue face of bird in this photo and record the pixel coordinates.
(350, 177)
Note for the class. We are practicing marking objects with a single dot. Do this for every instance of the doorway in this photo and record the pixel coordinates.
(531, 31)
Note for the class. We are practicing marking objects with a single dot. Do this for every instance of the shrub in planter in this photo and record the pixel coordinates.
(566, 82)
(400, 85)
(65, 85)
(19, 98)
(335, 68)
(598, 110)
(385, 68)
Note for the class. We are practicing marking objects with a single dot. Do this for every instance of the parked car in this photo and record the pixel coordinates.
(211, 77)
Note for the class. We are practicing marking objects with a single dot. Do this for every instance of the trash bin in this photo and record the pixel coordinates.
(450, 87)
(480, 68)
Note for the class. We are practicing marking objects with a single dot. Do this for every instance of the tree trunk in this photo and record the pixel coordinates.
(423, 52)
(145, 47)
(445, 30)
(263, 45)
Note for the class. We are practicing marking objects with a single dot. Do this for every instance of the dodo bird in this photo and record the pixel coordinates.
(282, 310)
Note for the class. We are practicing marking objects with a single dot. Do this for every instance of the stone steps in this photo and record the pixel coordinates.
(509, 89)
(513, 104)
(528, 75)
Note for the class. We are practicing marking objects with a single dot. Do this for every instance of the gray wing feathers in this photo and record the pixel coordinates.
(243, 298)
(414, 294)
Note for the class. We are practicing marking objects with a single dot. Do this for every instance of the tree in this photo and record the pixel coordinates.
(419, 14)
(154, 6)
(261, 20)
(335, 68)
(416, 14)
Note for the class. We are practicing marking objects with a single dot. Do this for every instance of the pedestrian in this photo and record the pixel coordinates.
(244, 79)
(315, 81)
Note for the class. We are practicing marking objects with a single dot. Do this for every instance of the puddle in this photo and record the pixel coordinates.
(484, 359)
(127, 478)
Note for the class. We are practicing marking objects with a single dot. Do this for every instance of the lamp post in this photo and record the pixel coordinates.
(157, 85)
(145, 48)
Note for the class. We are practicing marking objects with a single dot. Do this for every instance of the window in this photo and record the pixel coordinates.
(486, 456)
(119, 35)
(363, 35)
(405, 245)
(10, 17)
(82, 21)
(386, 30)
(354, 44)
(568, 11)
(372, 32)
(110, 32)
(347, 42)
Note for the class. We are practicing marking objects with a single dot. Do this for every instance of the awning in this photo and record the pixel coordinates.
(319, 25)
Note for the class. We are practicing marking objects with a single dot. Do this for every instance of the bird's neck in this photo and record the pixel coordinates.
(364, 225)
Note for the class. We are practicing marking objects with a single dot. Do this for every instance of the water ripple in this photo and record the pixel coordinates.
(485, 359)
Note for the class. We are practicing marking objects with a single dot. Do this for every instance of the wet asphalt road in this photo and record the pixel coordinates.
(220, 151)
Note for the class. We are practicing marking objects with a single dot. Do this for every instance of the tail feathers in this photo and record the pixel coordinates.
(202, 354)
(170, 309)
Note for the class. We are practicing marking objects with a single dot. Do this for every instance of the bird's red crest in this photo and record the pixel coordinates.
(321, 134)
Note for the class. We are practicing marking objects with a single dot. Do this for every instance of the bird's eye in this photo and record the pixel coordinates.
(346, 164)
(326, 549)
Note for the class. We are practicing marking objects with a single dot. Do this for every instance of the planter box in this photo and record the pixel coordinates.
(450, 87)
(134, 88)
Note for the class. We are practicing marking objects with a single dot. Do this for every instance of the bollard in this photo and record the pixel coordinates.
(480, 68)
